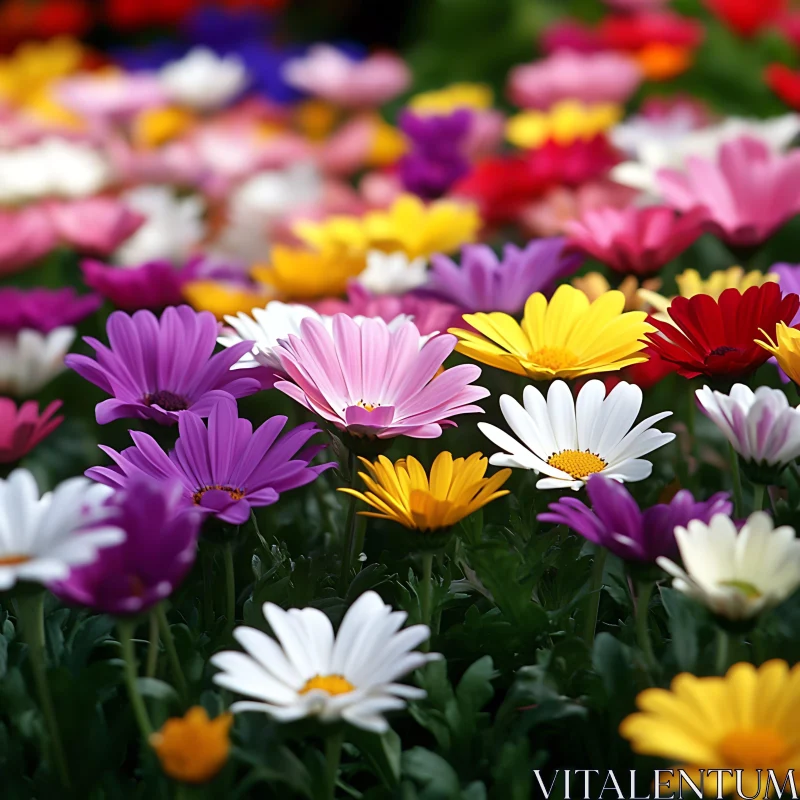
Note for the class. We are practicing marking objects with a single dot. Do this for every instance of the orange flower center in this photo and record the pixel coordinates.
(236, 494)
(579, 464)
(553, 358)
(755, 748)
(12, 559)
(332, 684)
(367, 406)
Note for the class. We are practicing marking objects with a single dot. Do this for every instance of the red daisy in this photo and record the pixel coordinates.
(22, 429)
(716, 338)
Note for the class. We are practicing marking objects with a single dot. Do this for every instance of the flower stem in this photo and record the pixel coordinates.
(333, 755)
(425, 592)
(644, 592)
(30, 615)
(738, 504)
(172, 653)
(207, 559)
(723, 649)
(152, 650)
(126, 630)
(350, 526)
(593, 601)
(230, 588)
(758, 496)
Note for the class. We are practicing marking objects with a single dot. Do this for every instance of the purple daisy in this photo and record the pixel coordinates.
(224, 469)
(160, 544)
(616, 522)
(485, 283)
(43, 310)
(158, 368)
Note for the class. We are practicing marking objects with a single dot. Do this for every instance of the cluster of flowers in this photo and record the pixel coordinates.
(261, 229)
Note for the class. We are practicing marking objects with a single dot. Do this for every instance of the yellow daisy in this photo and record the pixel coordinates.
(223, 299)
(565, 123)
(746, 720)
(565, 338)
(402, 492)
(477, 96)
(785, 348)
(691, 283)
(156, 126)
(35, 65)
(595, 284)
(299, 274)
(193, 748)
(408, 226)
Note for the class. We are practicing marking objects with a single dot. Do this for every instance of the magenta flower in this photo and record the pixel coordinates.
(94, 225)
(160, 545)
(615, 521)
(428, 314)
(486, 283)
(158, 368)
(25, 236)
(747, 195)
(372, 381)
(589, 78)
(635, 241)
(21, 429)
(225, 469)
(153, 285)
(43, 310)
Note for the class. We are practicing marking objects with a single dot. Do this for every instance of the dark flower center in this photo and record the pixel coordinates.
(236, 494)
(169, 401)
(721, 351)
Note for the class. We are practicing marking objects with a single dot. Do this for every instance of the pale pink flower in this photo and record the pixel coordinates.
(110, 96)
(93, 225)
(25, 236)
(590, 78)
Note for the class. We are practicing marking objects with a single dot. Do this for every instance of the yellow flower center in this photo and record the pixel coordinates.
(236, 494)
(579, 464)
(553, 358)
(332, 684)
(761, 748)
(368, 406)
(12, 559)
(747, 589)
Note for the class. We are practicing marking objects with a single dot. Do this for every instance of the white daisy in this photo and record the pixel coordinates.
(204, 80)
(30, 360)
(268, 326)
(173, 226)
(761, 426)
(309, 672)
(392, 273)
(41, 538)
(569, 441)
(736, 574)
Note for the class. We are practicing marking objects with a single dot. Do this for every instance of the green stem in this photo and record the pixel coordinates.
(361, 530)
(172, 653)
(738, 503)
(207, 559)
(426, 592)
(723, 648)
(152, 650)
(593, 601)
(30, 615)
(333, 755)
(258, 532)
(126, 630)
(350, 527)
(758, 496)
(230, 587)
(644, 592)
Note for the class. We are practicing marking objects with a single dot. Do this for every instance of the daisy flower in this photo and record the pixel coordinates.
(402, 492)
(785, 346)
(309, 672)
(225, 469)
(564, 338)
(158, 368)
(43, 536)
(29, 360)
(744, 721)
(392, 273)
(370, 380)
(736, 574)
(568, 440)
(21, 429)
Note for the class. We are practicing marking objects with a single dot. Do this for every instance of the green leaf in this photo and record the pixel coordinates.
(475, 689)
(683, 627)
(431, 772)
(382, 752)
(157, 690)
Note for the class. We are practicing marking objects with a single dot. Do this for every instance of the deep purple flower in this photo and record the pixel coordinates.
(158, 368)
(436, 159)
(224, 469)
(616, 522)
(485, 283)
(43, 310)
(161, 531)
